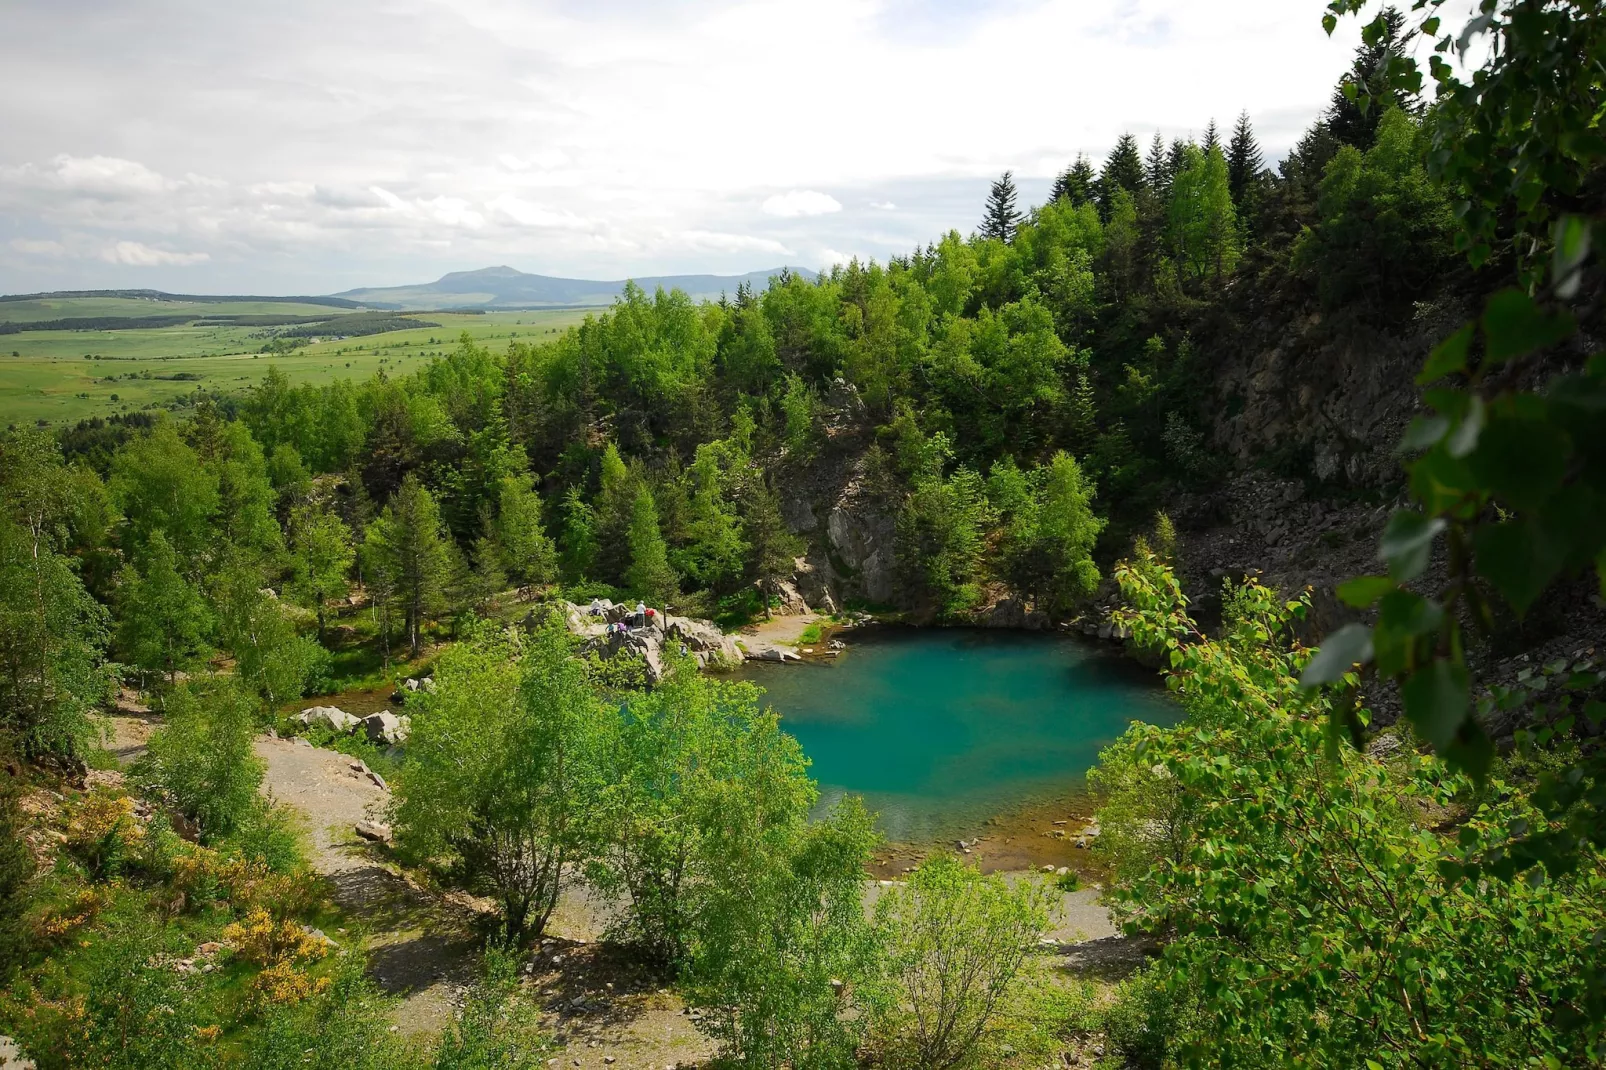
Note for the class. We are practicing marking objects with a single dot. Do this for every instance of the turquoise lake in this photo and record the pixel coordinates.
(940, 729)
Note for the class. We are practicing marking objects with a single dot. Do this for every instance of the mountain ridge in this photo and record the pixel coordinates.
(501, 286)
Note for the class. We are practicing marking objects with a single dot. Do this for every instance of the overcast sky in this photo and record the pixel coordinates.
(308, 147)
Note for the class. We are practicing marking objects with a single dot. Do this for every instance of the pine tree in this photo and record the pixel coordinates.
(526, 554)
(1081, 420)
(772, 549)
(1001, 216)
(1243, 160)
(409, 546)
(1176, 158)
(1122, 171)
(1155, 171)
(614, 506)
(579, 536)
(1212, 138)
(1348, 123)
(1076, 183)
(650, 575)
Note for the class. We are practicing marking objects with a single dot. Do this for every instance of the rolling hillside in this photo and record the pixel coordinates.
(505, 287)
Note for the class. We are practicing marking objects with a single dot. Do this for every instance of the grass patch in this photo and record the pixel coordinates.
(811, 634)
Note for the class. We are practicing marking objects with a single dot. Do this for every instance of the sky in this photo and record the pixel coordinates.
(310, 147)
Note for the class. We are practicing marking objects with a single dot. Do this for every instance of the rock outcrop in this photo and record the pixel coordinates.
(331, 717)
(615, 630)
(386, 728)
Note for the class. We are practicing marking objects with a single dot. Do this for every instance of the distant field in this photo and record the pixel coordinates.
(63, 307)
(44, 374)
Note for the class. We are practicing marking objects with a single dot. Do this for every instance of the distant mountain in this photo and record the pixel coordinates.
(505, 287)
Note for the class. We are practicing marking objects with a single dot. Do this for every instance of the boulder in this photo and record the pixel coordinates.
(1012, 613)
(385, 727)
(772, 653)
(331, 717)
(791, 602)
(375, 831)
(704, 641)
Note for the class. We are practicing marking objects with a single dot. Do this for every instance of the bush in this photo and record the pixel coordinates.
(16, 869)
(955, 942)
(499, 1028)
(201, 760)
(1146, 1019)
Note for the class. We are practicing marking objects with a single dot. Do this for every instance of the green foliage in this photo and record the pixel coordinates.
(16, 870)
(201, 760)
(699, 770)
(527, 554)
(409, 556)
(941, 539)
(52, 631)
(321, 555)
(1385, 227)
(771, 548)
(257, 630)
(499, 1028)
(501, 769)
(784, 960)
(1307, 898)
(649, 574)
(1202, 225)
(161, 486)
(163, 623)
(1049, 532)
(954, 942)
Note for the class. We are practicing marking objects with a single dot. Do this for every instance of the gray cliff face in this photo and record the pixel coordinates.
(1331, 400)
(848, 530)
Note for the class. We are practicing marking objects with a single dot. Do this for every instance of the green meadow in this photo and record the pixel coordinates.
(61, 377)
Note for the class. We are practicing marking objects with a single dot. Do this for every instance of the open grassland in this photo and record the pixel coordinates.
(52, 308)
(60, 377)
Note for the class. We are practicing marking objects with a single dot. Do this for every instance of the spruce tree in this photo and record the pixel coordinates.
(1155, 171)
(1345, 119)
(772, 548)
(1001, 216)
(649, 576)
(1081, 418)
(1212, 138)
(408, 544)
(1176, 159)
(1122, 171)
(1243, 160)
(1076, 183)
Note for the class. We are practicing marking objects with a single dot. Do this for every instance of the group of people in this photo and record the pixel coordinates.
(643, 617)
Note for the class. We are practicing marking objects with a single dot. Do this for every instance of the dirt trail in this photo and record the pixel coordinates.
(423, 946)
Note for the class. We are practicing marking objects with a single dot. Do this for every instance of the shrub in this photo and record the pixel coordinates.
(201, 759)
(955, 942)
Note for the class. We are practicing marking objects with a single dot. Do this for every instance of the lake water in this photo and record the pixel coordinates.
(940, 729)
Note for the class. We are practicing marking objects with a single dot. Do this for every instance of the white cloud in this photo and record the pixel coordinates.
(138, 254)
(33, 247)
(831, 257)
(715, 241)
(530, 214)
(554, 135)
(801, 202)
